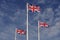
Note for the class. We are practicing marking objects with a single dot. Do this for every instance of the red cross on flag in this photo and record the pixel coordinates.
(21, 32)
(43, 24)
(34, 8)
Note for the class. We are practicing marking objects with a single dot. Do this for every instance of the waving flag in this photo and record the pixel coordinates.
(44, 24)
(22, 32)
(34, 8)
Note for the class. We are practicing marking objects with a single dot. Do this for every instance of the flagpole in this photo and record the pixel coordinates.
(27, 21)
(15, 33)
(38, 31)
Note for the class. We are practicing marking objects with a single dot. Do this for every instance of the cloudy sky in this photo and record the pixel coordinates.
(13, 15)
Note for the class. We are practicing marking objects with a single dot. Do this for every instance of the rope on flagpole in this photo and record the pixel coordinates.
(38, 31)
(27, 21)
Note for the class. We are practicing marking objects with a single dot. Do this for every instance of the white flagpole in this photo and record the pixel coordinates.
(15, 33)
(27, 21)
(38, 31)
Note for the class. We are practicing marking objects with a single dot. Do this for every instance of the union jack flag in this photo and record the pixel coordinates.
(34, 8)
(44, 24)
(20, 31)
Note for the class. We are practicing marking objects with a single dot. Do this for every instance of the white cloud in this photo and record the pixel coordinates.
(1, 13)
(59, 6)
(8, 32)
(41, 1)
(54, 30)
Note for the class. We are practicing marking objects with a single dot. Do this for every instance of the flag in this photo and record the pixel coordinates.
(21, 32)
(43, 24)
(34, 8)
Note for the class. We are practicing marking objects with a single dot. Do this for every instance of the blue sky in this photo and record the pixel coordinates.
(10, 19)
